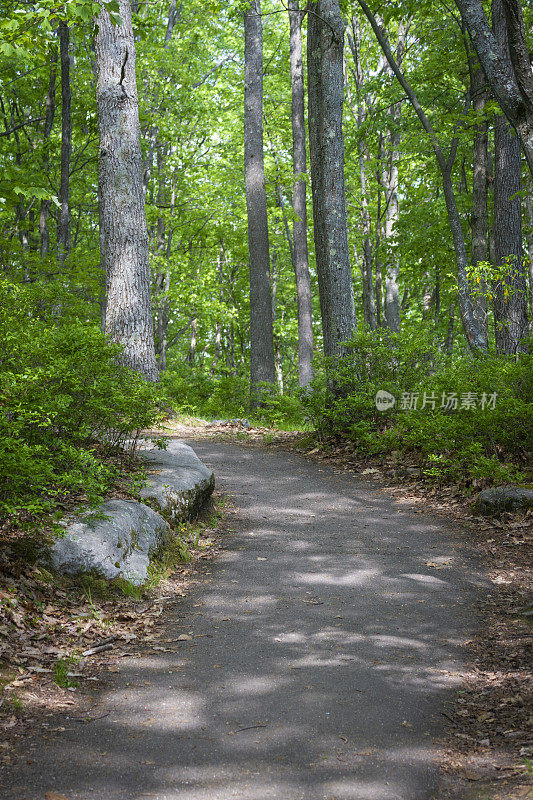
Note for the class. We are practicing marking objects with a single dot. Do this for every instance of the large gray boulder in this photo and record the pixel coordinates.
(121, 537)
(178, 482)
(503, 498)
(116, 541)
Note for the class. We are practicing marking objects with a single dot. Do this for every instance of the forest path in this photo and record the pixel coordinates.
(325, 640)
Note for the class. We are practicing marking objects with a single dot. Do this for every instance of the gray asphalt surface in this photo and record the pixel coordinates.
(326, 639)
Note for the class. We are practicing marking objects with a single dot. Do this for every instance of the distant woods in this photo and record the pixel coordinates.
(236, 190)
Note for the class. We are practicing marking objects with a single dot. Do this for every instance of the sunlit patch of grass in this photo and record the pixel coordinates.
(62, 670)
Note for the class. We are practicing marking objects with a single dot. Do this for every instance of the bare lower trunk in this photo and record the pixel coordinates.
(124, 236)
(277, 346)
(529, 240)
(262, 368)
(218, 328)
(448, 346)
(301, 263)
(392, 205)
(325, 85)
(161, 327)
(510, 303)
(360, 114)
(191, 355)
(369, 300)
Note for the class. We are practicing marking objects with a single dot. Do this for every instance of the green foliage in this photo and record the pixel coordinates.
(191, 391)
(62, 668)
(67, 404)
(485, 441)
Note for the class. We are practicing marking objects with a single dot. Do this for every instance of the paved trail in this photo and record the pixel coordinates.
(326, 639)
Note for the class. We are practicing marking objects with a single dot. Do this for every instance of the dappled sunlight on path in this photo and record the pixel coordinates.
(323, 643)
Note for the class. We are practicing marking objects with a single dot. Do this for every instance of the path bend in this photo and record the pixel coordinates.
(327, 638)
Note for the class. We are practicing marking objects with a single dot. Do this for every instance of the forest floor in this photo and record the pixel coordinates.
(389, 666)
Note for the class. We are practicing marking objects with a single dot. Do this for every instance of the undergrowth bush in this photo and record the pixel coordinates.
(461, 419)
(190, 391)
(66, 404)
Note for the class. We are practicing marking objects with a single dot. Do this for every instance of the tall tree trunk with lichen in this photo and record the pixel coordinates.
(299, 161)
(262, 365)
(123, 231)
(510, 292)
(325, 40)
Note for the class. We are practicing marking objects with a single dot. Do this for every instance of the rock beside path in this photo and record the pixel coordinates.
(121, 537)
(116, 541)
(178, 482)
(503, 498)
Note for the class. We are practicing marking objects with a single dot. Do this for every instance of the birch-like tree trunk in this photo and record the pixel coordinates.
(262, 366)
(360, 114)
(299, 163)
(510, 293)
(325, 40)
(123, 231)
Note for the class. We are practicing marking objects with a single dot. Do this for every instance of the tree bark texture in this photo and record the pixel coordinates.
(299, 162)
(513, 88)
(510, 293)
(123, 231)
(63, 232)
(262, 366)
(392, 207)
(529, 240)
(360, 114)
(325, 39)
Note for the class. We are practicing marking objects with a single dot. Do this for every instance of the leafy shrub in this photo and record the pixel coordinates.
(479, 443)
(187, 388)
(190, 391)
(66, 401)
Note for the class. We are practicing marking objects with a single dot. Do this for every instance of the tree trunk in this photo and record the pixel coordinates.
(191, 355)
(161, 338)
(123, 232)
(511, 82)
(392, 205)
(479, 218)
(174, 14)
(63, 232)
(360, 114)
(218, 327)
(299, 162)
(529, 240)
(473, 334)
(510, 294)
(162, 278)
(262, 367)
(325, 86)
(277, 348)
(48, 124)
